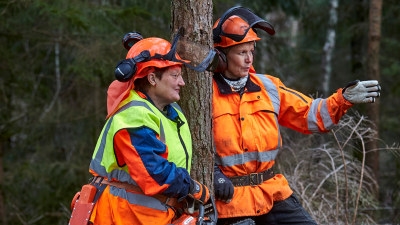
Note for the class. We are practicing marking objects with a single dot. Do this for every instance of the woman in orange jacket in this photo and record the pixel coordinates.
(142, 159)
(248, 109)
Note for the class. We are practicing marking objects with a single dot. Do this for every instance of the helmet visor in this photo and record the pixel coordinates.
(237, 35)
(172, 55)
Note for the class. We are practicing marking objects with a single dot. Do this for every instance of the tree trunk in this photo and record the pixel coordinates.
(196, 18)
(374, 36)
(329, 46)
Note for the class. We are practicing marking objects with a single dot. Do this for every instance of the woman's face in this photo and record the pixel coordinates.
(239, 59)
(165, 90)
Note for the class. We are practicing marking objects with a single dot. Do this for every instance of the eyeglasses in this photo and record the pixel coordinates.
(176, 76)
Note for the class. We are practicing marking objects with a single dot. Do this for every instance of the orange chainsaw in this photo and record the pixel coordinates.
(199, 214)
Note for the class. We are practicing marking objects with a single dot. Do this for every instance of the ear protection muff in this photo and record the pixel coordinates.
(126, 68)
(222, 62)
(219, 63)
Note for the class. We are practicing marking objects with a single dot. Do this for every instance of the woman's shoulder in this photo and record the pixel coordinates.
(266, 79)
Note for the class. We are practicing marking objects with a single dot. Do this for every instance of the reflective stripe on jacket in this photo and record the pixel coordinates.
(247, 135)
(140, 145)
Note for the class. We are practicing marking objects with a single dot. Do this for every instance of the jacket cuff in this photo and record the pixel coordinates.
(346, 104)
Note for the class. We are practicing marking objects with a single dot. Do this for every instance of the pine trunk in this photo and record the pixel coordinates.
(374, 36)
(196, 19)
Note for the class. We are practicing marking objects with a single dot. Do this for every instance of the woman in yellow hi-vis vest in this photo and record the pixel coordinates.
(144, 151)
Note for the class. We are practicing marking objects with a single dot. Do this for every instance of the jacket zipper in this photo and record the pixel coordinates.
(179, 124)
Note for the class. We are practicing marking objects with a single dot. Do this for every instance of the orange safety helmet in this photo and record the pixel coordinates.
(237, 25)
(154, 46)
(146, 54)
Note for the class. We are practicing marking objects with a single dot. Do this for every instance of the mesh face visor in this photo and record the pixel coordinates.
(171, 56)
(252, 19)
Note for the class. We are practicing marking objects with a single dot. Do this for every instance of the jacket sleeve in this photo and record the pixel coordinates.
(308, 115)
(146, 158)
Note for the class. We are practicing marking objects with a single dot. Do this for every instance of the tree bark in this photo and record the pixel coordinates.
(196, 19)
(374, 36)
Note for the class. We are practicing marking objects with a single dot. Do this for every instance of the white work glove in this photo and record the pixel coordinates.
(362, 91)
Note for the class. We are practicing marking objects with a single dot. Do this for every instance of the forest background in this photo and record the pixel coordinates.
(58, 57)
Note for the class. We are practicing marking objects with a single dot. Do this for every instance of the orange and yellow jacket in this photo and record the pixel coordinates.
(246, 130)
(142, 146)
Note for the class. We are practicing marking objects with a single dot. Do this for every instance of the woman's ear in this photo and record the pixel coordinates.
(152, 79)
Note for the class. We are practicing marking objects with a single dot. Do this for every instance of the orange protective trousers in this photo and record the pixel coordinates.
(113, 210)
